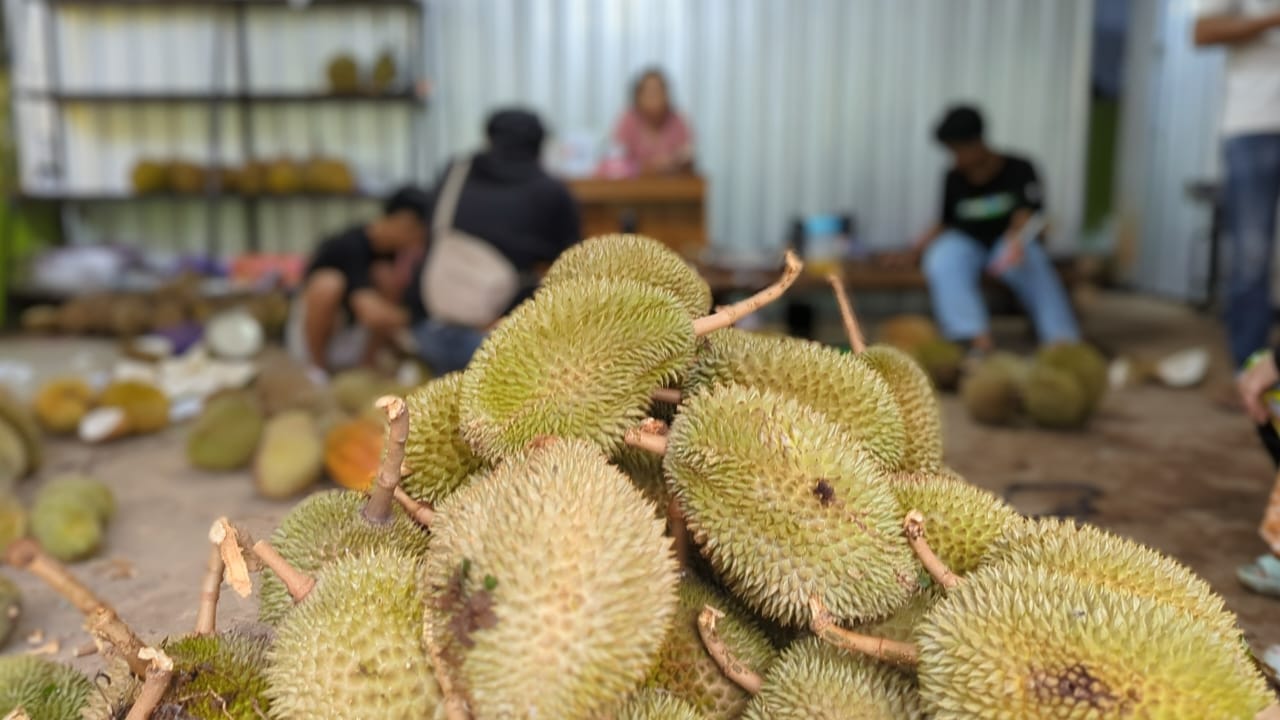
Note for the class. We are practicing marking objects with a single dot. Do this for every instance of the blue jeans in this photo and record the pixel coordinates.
(446, 348)
(954, 265)
(1250, 195)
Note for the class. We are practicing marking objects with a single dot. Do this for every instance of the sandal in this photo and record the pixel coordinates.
(1262, 575)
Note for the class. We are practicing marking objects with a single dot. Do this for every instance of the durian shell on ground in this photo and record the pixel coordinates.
(323, 528)
(353, 648)
(633, 257)
(812, 679)
(833, 383)
(917, 403)
(145, 406)
(13, 520)
(69, 529)
(78, 488)
(439, 460)
(16, 415)
(1027, 642)
(652, 704)
(684, 667)
(45, 689)
(907, 332)
(787, 506)
(10, 608)
(290, 456)
(13, 458)
(942, 361)
(573, 565)
(961, 520)
(578, 361)
(1082, 361)
(993, 394)
(227, 432)
(1055, 399)
(219, 676)
(60, 404)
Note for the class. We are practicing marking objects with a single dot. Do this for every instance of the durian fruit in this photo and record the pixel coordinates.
(145, 406)
(282, 177)
(39, 319)
(645, 472)
(13, 520)
(941, 361)
(167, 315)
(578, 361)
(43, 689)
(271, 310)
(1084, 362)
(356, 389)
(768, 486)
(961, 520)
(227, 432)
(93, 493)
(10, 608)
(654, 704)
(149, 176)
(68, 527)
(439, 460)
(908, 332)
(1029, 642)
(633, 257)
(384, 72)
(129, 316)
(901, 626)
(60, 404)
(552, 585)
(993, 393)
(219, 676)
(76, 316)
(186, 177)
(282, 384)
(1098, 557)
(327, 175)
(251, 178)
(290, 456)
(15, 414)
(353, 648)
(917, 403)
(844, 389)
(815, 680)
(1055, 399)
(13, 458)
(322, 529)
(684, 667)
(344, 75)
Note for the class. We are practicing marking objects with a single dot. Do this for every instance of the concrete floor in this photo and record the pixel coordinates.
(1173, 471)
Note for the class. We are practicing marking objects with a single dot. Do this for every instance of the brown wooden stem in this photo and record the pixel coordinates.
(210, 589)
(733, 668)
(159, 675)
(1270, 712)
(421, 512)
(883, 649)
(231, 551)
(298, 583)
(726, 316)
(26, 554)
(378, 509)
(455, 704)
(679, 532)
(671, 396)
(654, 443)
(913, 526)
(851, 329)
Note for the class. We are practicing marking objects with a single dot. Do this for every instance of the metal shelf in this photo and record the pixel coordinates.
(94, 197)
(414, 4)
(106, 97)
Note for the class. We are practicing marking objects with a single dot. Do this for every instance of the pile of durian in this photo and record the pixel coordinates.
(1061, 388)
(624, 508)
(279, 176)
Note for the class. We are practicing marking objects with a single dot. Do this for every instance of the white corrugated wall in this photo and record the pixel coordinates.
(799, 105)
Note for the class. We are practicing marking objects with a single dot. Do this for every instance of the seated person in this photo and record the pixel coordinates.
(653, 136)
(506, 200)
(988, 200)
(1263, 574)
(349, 302)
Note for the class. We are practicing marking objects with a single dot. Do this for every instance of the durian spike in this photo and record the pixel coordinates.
(159, 675)
(639, 438)
(913, 526)
(883, 649)
(378, 509)
(210, 589)
(730, 314)
(298, 583)
(733, 668)
(851, 329)
(421, 512)
(671, 396)
(26, 554)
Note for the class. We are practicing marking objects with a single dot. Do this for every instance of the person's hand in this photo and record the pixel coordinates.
(1010, 257)
(1253, 382)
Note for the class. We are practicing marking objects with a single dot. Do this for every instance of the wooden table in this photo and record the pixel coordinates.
(669, 208)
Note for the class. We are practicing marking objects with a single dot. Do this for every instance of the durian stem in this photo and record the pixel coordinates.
(679, 532)
(26, 554)
(378, 509)
(883, 649)
(637, 438)
(728, 315)
(455, 705)
(210, 589)
(298, 583)
(851, 329)
(230, 548)
(671, 396)
(938, 570)
(422, 513)
(1270, 712)
(159, 675)
(733, 668)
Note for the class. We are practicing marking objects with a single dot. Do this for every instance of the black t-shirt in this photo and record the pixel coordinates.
(352, 254)
(983, 211)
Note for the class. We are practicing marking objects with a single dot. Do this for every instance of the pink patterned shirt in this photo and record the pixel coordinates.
(645, 146)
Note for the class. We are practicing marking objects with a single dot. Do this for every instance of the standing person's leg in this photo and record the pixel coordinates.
(1251, 192)
(1038, 286)
(953, 267)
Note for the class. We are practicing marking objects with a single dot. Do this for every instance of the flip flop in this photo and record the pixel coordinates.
(1261, 576)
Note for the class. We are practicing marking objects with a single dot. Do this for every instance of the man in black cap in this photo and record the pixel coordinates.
(498, 220)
